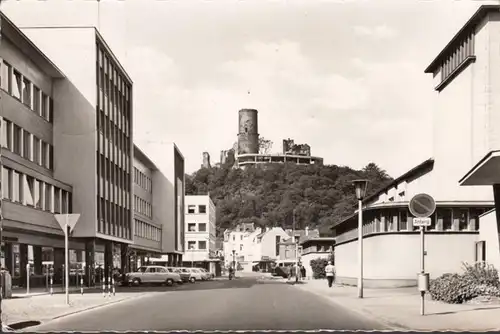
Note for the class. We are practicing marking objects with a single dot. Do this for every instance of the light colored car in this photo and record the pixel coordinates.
(206, 274)
(196, 274)
(153, 275)
(185, 276)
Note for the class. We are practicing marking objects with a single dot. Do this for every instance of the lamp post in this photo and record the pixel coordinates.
(361, 186)
(234, 260)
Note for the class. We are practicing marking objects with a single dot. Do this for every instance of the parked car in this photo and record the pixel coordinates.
(208, 275)
(186, 272)
(196, 275)
(152, 275)
(185, 276)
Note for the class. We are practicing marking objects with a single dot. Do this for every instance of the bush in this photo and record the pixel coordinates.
(318, 267)
(476, 280)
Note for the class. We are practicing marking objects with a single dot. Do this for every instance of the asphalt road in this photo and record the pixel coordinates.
(241, 304)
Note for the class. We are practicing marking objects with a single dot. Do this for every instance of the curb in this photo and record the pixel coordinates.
(392, 326)
(33, 328)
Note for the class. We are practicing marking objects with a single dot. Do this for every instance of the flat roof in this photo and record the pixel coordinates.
(20, 40)
(485, 172)
(469, 25)
(142, 157)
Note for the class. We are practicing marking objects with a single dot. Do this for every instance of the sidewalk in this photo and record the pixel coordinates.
(400, 308)
(46, 307)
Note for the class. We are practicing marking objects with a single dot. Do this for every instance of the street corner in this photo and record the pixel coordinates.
(31, 311)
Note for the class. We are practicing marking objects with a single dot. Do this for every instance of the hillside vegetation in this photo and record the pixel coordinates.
(266, 195)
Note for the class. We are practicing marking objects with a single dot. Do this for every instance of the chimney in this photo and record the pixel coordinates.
(307, 230)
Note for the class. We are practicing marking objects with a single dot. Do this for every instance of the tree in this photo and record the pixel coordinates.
(265, 145)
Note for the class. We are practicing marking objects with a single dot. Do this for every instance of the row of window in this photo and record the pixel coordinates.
(201, 209)
(25, 189)
(444, 219)
(461, 52)
(114, 183)
(114, 92)
(27, 145)
(202, 245)
(21, 88)
(112, 133)
(115, 153)
(142, 180)
(143, 207)
(147, 231)
(197, 227)
(113, 219)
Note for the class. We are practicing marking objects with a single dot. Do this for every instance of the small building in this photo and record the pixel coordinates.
(200, 232)
(315, 248)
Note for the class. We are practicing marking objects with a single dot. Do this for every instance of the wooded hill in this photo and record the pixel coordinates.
(266, 195)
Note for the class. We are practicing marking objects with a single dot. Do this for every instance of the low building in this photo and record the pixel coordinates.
(234, 242)
(251, 159)
(315, 248)
(200, 232)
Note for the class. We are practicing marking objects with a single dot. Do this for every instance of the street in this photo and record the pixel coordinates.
(241, 304)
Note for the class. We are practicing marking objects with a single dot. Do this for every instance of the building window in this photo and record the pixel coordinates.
(7, 186)
(44, 154)
(57, 200)
(446, 216)
(202, 227)
(480, 251)
(6, 134)
(27, 145)
(17, 85)
(7, 77)
(27, 92)
(202, 244)
(36, 99)
(17, 139)
(462, 215)
(234, 237)
(16, 187)
(191, 209)
(403, 220)
(36, 150)
(29, 190)
(48, 197)
(45, 106)
(241, 248)
(192, 227)
(191, 245)
(202, 208)
(39, 194)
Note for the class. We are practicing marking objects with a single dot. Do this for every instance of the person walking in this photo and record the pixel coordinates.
(303, 271)
(330, 273)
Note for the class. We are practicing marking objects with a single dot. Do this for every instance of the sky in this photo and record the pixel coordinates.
(345, 76)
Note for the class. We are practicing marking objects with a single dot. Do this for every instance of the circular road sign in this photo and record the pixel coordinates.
(422, 205)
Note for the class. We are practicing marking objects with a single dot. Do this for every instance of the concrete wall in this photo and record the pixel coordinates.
(306, 261)
(488, 232)
(393, 259)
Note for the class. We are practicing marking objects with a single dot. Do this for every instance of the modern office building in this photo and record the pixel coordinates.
(32, 89)
(200, 248)
(465, 78)
(93, 144)
(147, 231)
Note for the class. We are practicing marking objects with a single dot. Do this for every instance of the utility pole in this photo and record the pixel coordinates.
(296, 246)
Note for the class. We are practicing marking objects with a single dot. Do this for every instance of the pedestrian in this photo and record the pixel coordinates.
(303, 271)
(330, 273)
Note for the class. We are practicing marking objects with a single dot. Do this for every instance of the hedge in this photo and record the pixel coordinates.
(318, 266)
(477, 280)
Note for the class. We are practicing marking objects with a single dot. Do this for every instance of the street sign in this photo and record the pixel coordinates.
(422, 222)
(70, 219)
(422, 205)
(67, 220)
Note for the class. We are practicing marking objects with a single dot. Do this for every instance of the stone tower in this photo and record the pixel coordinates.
(248, 135)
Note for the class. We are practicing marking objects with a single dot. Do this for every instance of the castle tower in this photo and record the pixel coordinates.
(206, 160)
(248, 135)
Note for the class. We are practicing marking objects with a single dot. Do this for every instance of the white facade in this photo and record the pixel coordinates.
(250, 247)
(200, 228)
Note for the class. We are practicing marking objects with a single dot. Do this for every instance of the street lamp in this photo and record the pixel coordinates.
(234, 260)
(361, 186)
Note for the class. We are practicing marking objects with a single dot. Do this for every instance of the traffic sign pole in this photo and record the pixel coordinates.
(422, 206)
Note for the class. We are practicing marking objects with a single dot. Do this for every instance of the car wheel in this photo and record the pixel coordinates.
(136, 281)
(192, 280)
(169, 282)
